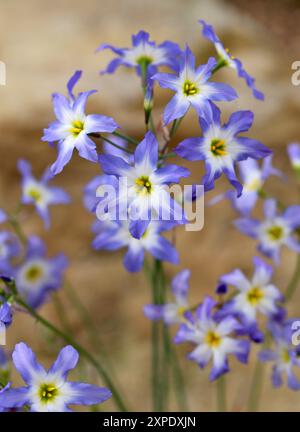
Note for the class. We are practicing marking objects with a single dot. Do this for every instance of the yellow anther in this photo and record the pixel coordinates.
(255, 295)
(218, 147)
(77, 127)
(190, 88)
(212, 339)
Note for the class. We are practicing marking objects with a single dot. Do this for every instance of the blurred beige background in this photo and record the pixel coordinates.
(42, 43)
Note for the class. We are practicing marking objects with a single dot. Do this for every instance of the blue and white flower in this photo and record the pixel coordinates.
(116, 235)
(255, 295)
(49, 391)
(215, 340)
(38, 275)
(226, 59)
(144, 54)
(39, 193)
(172, 313)
(193, 88)
(275, 231)
(253, 178)
(90, 191)
(284, 357)
(9, 248)
(294, 155)
(221, 147)
(144, 191)
(73, 126)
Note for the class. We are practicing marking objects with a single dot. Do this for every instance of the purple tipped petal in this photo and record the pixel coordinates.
(146, 153)
(292, 216)
(72, 82)
(67, 360)
(25, 362)
(87, 394)
(270, 208)
(15, 398)
(176, 108)
(191, 149)
(114, 165)
(65, 151)
(240, 121)
(96, 123)
(163, 250)
(180, 283)
(170, 174)
(247, 226)
(154, 312)
(134, 258)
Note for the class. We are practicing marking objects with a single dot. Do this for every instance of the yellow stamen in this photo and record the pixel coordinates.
(77, 127)
(255, 295)
(218, 147)
(275, 232)
(144, 185)
(190, 88)
(212, 339)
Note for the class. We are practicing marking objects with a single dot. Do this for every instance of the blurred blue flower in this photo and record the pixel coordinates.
(114, 235)
(38, 275)
(214, 339)
(274, 231)
(283, 356)
(49, 390)
(255, 295)
(39, 193)
(73, 126)
(172, 313)
(252, 178)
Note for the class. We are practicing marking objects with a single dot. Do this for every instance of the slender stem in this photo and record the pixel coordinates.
(180, 388)
(95, 135)
(221, 394)
(83, 313)
(175, 126)
(168, 155)
(126, 137)
(221, 63)
(294, 283)
(82, 351)
(61, 314)
(17, 229)
(256, 387)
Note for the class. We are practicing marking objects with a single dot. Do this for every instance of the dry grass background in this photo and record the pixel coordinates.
(42, 43)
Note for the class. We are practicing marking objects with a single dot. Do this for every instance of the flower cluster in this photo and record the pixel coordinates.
(135, 207)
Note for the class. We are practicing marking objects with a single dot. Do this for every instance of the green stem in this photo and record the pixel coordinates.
(221, 394)
(175, 126)
(126, 137)
(109, 141)
(83, 313)
(294, 283)
(17, 229)
(180, 388)
(221, 63)
(82, 351)
(256, 387)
